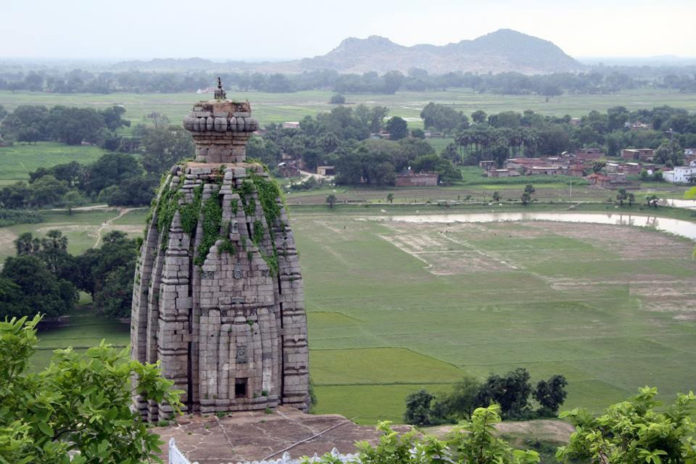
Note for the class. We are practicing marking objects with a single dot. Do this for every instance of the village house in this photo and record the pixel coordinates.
(414, 179)
(598, 180)
(636, 126)
(689, 155)
(680, 174)
(535, 166)
(586, 154)
(487, 165)
(503, 173)
(613, 181)
(521, 164)
(291, 125)
(576, 170)
(638, 154)
(326, 170)
(288, 169)
(550, 170)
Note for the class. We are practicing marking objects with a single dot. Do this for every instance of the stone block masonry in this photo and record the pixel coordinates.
(218, 297)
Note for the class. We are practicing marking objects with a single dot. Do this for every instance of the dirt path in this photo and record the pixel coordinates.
(121, 212)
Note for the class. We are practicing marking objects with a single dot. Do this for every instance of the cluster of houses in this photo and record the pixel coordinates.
(615, 174)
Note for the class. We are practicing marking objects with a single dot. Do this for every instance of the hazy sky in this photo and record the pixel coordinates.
(283, 29)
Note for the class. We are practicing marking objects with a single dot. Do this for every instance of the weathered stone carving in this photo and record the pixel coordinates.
(218, 296)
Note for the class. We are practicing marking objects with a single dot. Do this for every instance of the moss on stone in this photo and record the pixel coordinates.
(269, 193)
(167, 206)
(212, 219)
(258, 233)
(191, 211)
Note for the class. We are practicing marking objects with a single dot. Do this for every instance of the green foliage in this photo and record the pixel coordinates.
(443, 118)
(393, 448)
(418, 408)
(337, 99)
(470, 442)
(652, 200)
(79, 404)
(397, 128)
(550, 394)
(167, 206)
(164, 147)
(457, 404)
(227, 247)
(526, 197)
(212, 219)
(633, 431)
(257, 236)
(511, 392)
(28, 287)
(331, 200)
(190, 212)
(269, 193)
(10, 217)
(107, 274)
(474, 441)
(246, 194)
(447, 173)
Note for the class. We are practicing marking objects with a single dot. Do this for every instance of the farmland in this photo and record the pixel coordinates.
(279, 107)
(17, 161)
(394, 307)
(609, 307)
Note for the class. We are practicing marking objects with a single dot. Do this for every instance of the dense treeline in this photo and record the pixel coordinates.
(69, 125)
(350, 138)
(510, 391)
(44, 278)
(509, 133)
(342, 138)
(598, 80)
(127, 177)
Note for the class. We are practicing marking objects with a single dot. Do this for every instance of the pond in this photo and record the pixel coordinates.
(674, 226)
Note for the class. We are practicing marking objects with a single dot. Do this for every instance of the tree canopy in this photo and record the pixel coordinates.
(77, 410)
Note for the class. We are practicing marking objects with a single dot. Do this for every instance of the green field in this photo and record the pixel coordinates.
(82, 228)
(279, 107)
(86, 329)
(394, 307)
(18, 160)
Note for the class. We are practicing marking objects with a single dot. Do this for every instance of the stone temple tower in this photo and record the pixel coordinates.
(218, 295)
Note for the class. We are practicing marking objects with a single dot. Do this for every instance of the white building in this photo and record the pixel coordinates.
(680, 174)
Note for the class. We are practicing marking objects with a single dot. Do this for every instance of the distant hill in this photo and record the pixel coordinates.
(502, 51)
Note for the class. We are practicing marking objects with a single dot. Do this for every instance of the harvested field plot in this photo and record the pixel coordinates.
(610, 307)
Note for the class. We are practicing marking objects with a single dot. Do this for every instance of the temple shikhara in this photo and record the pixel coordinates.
(218, 296)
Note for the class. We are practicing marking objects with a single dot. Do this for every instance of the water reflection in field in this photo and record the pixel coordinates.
(674, 226)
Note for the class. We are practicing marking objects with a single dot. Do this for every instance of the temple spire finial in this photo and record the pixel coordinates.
(220, 93)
